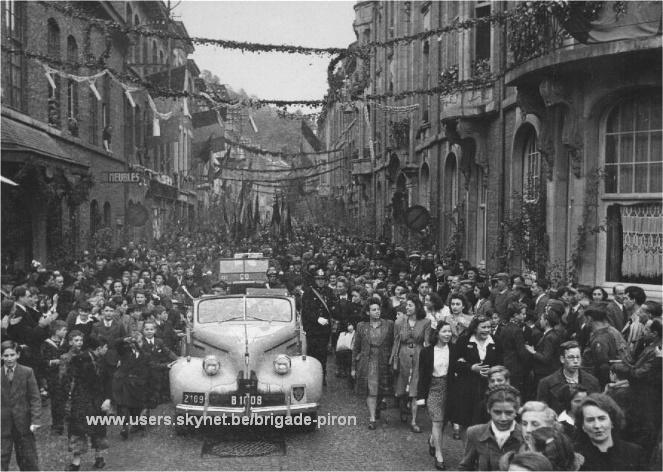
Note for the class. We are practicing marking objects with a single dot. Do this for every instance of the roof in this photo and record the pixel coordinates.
(17, 136)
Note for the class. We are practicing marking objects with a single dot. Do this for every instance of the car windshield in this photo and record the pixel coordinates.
(219, 310)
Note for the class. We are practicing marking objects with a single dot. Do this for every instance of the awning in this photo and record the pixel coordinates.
(20, 137)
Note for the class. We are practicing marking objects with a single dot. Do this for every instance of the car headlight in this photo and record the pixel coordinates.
(282, 364)
(211, 365)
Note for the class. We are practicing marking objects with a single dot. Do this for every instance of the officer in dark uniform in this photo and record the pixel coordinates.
(318, 304)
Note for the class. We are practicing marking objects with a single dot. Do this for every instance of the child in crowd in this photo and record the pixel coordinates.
(51, 350)
(503, 432)
(158, 357)
(84, 321)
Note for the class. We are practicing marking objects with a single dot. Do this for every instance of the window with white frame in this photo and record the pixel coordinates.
(531, 169)
(13, 64)
(631, 199)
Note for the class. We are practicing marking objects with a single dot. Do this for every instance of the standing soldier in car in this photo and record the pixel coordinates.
(318, 304)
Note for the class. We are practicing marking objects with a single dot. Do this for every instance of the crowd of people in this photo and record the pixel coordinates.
(531, 376)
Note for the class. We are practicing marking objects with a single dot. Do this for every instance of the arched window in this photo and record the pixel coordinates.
(154, 53)
(94, 217)
(161, 61)
(631, 197)
(531, 168)
(107, 215)
(72, 87)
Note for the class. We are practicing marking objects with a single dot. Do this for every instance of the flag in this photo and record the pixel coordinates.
(288, 222)
(276, 217)
(256, 216)
(310, 137)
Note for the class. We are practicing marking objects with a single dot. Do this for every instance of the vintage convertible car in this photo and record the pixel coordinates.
(244, 356)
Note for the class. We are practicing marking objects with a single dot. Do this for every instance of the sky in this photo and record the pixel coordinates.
(269, 75)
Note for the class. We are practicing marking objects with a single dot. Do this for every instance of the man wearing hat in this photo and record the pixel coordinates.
(501, 295)
(414, 263)
(318, 304)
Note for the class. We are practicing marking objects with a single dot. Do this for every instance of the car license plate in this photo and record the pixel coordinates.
(243, 400)
(193, 398)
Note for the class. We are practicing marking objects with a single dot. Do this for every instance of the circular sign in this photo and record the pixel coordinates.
(417, 217)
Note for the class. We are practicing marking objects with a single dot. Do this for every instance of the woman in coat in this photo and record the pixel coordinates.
(370, 358)
(476, 353)
(130, 380)
(410, 332)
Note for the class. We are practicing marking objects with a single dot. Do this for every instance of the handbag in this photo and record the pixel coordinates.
(345, 341)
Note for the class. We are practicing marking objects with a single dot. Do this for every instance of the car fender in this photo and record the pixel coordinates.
(187, 375)
(303, 371)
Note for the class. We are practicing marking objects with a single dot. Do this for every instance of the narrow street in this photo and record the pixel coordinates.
(391, 447)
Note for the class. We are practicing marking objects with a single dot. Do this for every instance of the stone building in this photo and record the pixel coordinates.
(549, 162)
(65, 145)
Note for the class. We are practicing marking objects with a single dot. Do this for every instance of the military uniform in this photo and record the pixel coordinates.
(314, 314)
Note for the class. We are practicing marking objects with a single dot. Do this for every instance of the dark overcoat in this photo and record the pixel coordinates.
(130, 381)
(468, 388)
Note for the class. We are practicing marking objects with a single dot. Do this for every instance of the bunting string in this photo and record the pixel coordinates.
(155, 31)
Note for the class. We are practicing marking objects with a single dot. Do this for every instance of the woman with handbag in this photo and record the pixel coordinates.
(410, 332)
(371, 358)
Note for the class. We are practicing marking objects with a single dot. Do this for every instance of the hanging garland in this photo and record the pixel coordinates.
(288, 179)
(286, 170)
(145, 30)
(32, 178)
(281, 154)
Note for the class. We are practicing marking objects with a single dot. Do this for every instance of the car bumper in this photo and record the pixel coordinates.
(278, 410)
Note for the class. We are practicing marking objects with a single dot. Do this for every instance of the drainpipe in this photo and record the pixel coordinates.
(503, 194)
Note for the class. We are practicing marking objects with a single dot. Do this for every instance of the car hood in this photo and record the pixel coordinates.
(264, 339)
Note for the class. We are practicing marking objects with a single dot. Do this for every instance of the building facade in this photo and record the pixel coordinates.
(72, 145)
(545, 158)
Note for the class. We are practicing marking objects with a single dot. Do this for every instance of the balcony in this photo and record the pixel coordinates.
(542, 36)
(467, 103)
(362, 167)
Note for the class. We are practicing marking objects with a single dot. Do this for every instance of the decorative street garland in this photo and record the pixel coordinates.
(288, 155)
(146, 30)
(285, 170)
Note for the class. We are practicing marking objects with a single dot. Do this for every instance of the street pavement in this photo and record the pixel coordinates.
(392, 446)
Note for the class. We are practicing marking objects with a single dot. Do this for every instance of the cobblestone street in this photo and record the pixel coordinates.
(391, 447)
